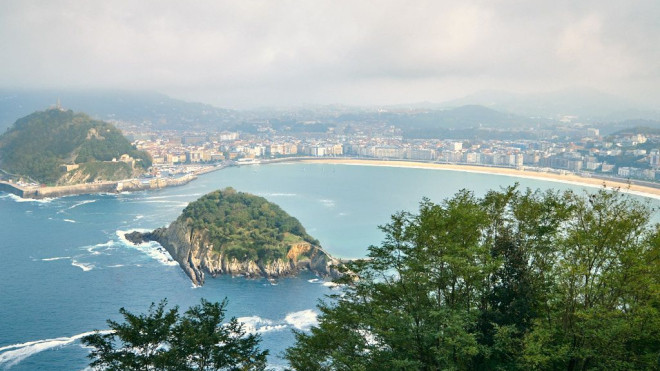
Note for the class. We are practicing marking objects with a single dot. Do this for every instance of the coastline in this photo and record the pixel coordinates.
(569, 178)
(131, 185)
(127, 185)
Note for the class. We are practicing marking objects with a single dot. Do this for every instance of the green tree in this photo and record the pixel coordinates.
(164, 340)
(511, 281)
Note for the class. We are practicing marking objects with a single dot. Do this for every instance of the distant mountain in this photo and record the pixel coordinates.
(62, 147)
(437, 123)
(147, 108)
(587, 104)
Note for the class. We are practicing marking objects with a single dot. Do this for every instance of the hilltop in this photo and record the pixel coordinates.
(60, 147)
(230, 232)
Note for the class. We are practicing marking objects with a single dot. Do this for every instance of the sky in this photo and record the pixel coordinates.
(244, 54)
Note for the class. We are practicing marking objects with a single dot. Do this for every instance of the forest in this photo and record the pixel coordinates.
(36, 145)
(244, 226)
(513, 280)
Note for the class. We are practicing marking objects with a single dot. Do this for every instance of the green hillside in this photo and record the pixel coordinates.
(38, 145)
(244, 226)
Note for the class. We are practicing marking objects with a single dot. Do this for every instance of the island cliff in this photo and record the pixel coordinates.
(229, 232)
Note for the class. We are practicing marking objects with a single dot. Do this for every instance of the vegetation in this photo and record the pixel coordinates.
(164, 340)
(36, 145)
(244, 226)
(511, 281)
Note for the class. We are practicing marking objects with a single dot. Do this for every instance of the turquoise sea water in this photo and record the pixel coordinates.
(64, 269)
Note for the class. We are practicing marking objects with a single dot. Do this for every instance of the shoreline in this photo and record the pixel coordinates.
(568, 178)
(126, 185)
(132, 185)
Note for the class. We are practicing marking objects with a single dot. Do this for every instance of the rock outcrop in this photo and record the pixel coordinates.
(197, 257)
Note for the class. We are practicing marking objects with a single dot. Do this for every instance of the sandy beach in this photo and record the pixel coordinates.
(531, 174)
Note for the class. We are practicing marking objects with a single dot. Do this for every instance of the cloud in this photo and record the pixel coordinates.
(251, 53)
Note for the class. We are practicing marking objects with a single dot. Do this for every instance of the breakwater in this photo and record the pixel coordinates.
(130, 185)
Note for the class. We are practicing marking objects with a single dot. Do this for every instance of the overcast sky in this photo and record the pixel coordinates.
(241, 54)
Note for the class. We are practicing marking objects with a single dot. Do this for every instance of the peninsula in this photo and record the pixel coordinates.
(58, 147)
(230, 232)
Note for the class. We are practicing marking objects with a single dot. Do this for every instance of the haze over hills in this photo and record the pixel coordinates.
(588, 104)
(136, 107)
(492, 109)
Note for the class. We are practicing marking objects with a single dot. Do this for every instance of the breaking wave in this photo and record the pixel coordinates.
(92, 249)
(80, 204)
(86, 267)
(258, 325)
(152, 249)
(302, 320)
(21, 199)
(55, 258)
(11, 355)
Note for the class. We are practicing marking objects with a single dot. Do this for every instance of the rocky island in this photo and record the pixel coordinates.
(230, 232)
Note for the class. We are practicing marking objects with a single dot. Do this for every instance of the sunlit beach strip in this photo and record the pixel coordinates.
(537, 175)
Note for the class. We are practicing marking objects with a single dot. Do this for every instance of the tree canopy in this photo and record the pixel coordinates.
(36, 145)
(514, 280)
(245, 226)
(163, 339)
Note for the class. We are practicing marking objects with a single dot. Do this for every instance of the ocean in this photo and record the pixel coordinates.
(65, 267)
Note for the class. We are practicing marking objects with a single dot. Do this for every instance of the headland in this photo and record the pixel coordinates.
(128, 185)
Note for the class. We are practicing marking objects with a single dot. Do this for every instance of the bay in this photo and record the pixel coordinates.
(65, 269)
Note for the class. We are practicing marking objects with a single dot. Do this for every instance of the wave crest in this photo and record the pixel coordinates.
(11, 355)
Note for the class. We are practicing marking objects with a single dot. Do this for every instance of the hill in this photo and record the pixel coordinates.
(230, 232)
(39, 145)
(148, 109)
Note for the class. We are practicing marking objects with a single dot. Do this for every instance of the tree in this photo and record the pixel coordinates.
(164, 340)
(511, 281)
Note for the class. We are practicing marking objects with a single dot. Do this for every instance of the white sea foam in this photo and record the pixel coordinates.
(266, 194)
(302, 319)
(152, 249)
(92, 249)
(21, 199)
(116, 266)
(172, 202)
(55, 258)
(80, 204)
(11, 355)
(258, 325)
(327, 203)
(86, 267)
(69, 220)
(138, 217)
(314, 280)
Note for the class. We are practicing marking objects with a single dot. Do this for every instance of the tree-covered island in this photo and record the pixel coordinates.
(230, 232)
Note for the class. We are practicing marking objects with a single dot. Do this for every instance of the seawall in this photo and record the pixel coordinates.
(130, 185)
(11, 188)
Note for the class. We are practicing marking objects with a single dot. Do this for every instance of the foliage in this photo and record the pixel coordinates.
(164, 340)
(38, 144)
(511, 281)
(244, 226)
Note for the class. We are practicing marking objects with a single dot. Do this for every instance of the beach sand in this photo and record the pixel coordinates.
(531, 174)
